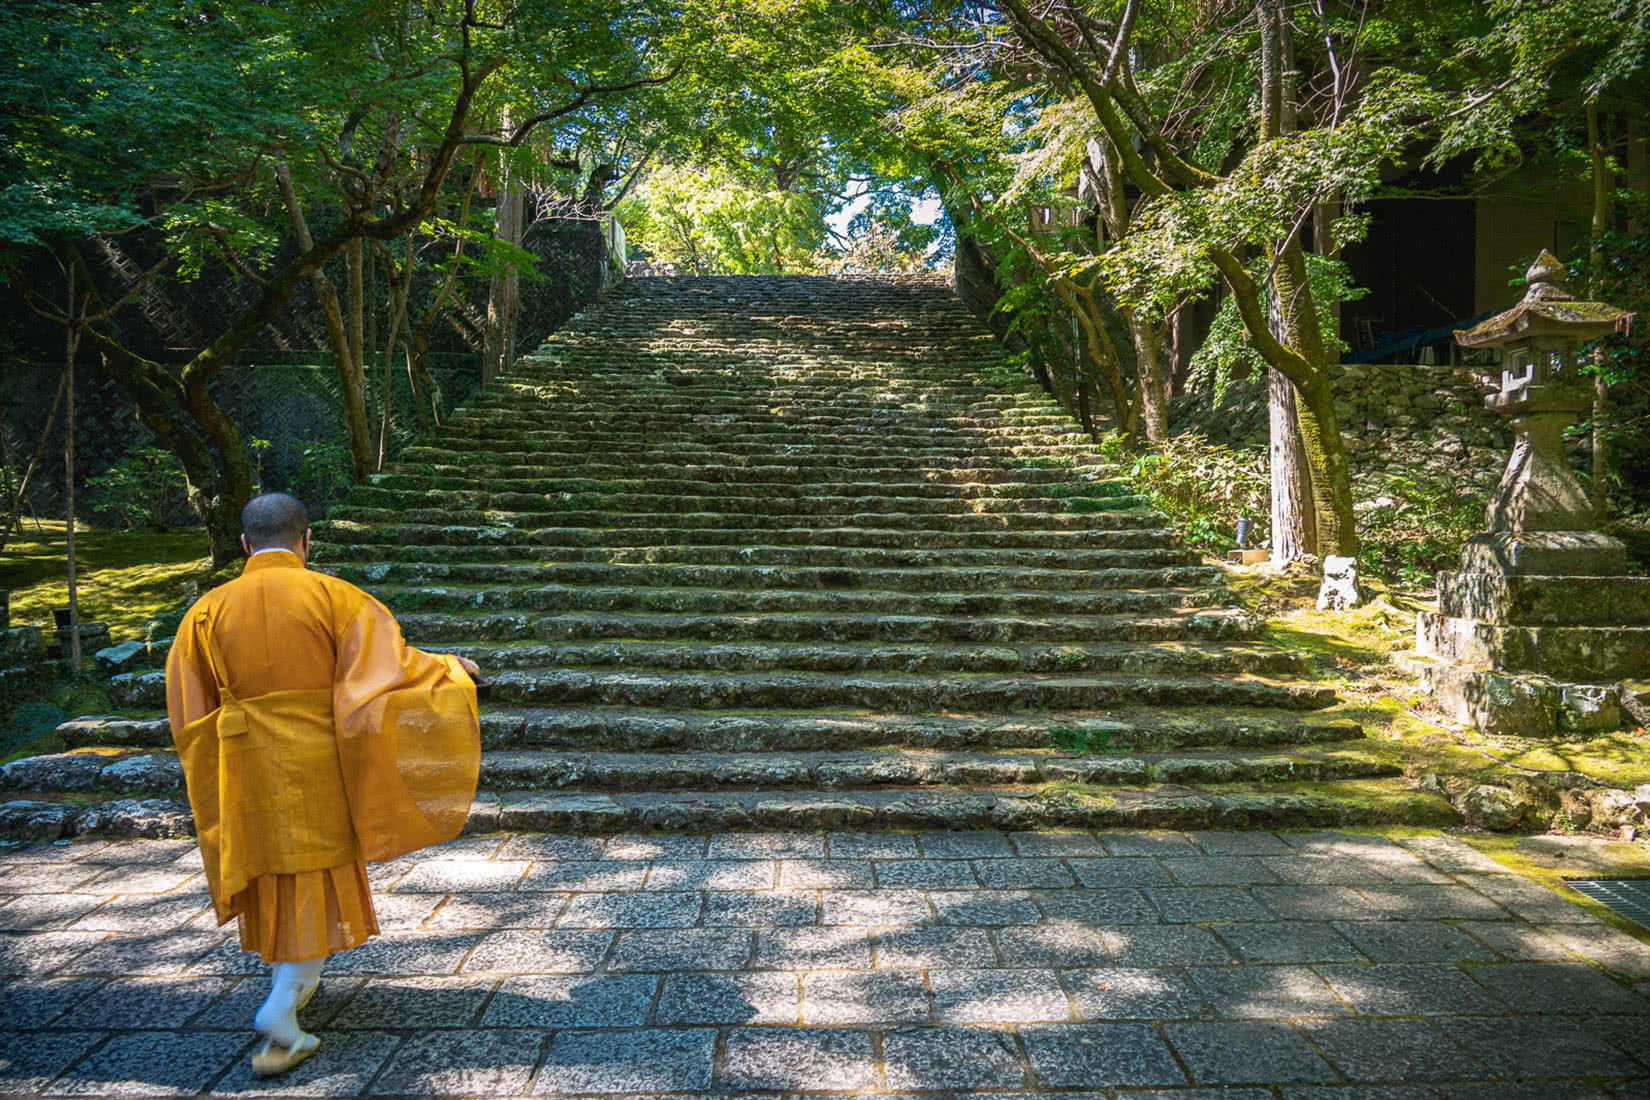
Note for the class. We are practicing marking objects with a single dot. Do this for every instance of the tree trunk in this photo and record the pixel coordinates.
(1294, 527)
(1604, 183)
(1154, 400)
(16, 516)
(503, 292)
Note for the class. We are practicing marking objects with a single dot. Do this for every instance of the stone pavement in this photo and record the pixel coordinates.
(1239, 966)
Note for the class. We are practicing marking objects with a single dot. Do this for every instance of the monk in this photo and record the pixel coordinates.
(312, 739)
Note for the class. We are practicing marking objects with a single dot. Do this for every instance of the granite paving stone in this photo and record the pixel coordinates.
(1166, 945)
(630, 846)
(764, 908)
(1391, 1050)
(415, 1003)
(151, 1002)
(585, 875)
(1426, 902)
(1242, 1052)
(1397, 989)
(1057, 943)
(447, 876)
(1288, 942)
(987, 908)
(998, 996)
(932, 948)
(28, 1061)
(1520, 1047)
(965, 845)
(27, 1006)
(767, 846)
(406, 953)
(1023, 873)
(1199, 904)
(1267, 992)
(1086, 1055)
(930, 874)
(124, 880)
(1056, 844)
(588, 1000)
(36, 954)
(1452, 856)
(918, 966)
(727, 999)
(486, 1062)
(1147, 844)
(835, 948)
(677, 909)
(152, 1063)
(531, 951)
(47, 912)
(556, 848)
(711, 874)
(1240, 844)
(824, 1059)
(1411, 941)
(132, 853)
(872, 846)
(1098, 908)
(1118, 871)
(876, 997)
(342, 1067)
(51, 878)
(874, 907)
(951, 1058)
(490, 911)
(1569, 988)
(1218, 871)
(144, 953)
(1136, 993)
(642, 1061)
(682, 949)
(826, 874)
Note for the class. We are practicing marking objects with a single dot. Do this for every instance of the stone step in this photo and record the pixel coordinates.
(596, 729)
(710, 449)
(562, 599)
(743, 497)
(792, 578)
(908, 693)
(543, 509)
(428, 542)
(1260, 806)
(799, 483)
(159, 773)
(756, 526)
(701, 477)
(1142, 658)
(425, 628)
(515, 392)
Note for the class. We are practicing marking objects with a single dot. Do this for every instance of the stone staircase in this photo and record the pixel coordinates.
(798, 553)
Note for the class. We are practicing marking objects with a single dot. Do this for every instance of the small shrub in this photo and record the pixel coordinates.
(323, 477)
(1205, 488)
(1416, 527)
(145, 488)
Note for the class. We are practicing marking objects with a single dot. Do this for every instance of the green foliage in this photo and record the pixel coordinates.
(323, 477)
(1088, 742)
(1206, 488)
(1417, 527)
(145, 488)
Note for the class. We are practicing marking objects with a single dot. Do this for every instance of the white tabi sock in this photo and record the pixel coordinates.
(277, 1017)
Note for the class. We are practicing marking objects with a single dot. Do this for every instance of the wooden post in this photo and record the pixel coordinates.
(73, 339)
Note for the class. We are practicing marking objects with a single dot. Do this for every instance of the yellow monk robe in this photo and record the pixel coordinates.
(312, 739)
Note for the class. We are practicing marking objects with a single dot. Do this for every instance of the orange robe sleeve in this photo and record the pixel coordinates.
(409, 739)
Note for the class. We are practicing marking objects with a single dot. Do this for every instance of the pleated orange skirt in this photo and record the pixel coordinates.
(294, 917)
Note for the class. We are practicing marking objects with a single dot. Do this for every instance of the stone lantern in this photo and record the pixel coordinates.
(1540, 630)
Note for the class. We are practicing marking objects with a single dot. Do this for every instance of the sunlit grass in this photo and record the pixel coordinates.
(125, 577)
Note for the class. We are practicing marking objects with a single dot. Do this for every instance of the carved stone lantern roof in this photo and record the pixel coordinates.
(1547, 311)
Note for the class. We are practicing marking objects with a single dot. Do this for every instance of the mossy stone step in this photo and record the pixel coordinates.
(428, 629)
(936, 579)
(1142, 729)
(406, 542)
(699, 478)
(908, 693)
(826, 504)
(733, 495)
(711, 449)
(689, 655)
(670, 601)
(756, 526)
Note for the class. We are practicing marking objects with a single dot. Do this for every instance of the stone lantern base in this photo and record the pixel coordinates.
(1538, 634)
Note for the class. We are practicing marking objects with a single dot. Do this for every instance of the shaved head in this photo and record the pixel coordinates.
(274, 520)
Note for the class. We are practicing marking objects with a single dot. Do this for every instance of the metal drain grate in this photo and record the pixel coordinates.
(1628, 896)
